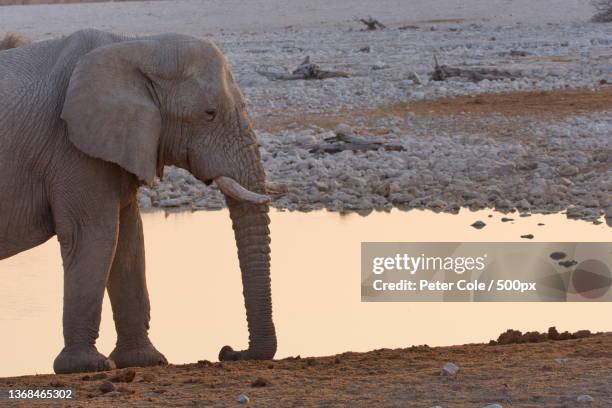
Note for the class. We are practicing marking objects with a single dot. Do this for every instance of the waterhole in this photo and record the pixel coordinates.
(196, 293)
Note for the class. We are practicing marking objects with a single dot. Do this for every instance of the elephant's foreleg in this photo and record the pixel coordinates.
(88, 247)
(127, 289)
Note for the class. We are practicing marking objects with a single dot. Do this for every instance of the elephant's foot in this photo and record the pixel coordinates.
(229, 354)
(139, 356)
(75, 359)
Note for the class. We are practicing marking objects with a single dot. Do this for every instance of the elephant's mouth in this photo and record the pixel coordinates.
(233, 189)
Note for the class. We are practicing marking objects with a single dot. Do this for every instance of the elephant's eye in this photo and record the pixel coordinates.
(210, 114)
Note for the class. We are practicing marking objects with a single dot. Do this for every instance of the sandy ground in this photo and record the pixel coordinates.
(199, 16)
(548, 374)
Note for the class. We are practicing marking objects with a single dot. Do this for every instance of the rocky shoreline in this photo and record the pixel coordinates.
(542, 168)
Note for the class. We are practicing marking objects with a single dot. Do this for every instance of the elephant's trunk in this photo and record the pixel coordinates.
(250, 222)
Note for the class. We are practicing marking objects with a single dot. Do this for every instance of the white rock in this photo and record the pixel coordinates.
(493, 406)
(561, 360)
(344, 129)
(305, 139)
(379, 65)
(413, 76)
(144, 202)
(449, 369)
(585, 398)
(243, 399)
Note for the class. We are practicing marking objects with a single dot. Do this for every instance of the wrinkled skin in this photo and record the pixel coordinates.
(85, 120)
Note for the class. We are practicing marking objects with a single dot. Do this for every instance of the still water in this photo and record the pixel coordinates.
(196, 293)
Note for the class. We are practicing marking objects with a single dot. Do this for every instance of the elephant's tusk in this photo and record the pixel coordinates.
(232, 188)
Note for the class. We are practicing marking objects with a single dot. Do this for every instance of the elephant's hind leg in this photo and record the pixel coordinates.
(127, 289)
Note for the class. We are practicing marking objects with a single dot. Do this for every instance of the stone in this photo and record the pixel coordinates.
(148, 377)
(106, 387)
(568, 171)
(413, 76)
(449, 369)
(243, 399)
(260, 382)
(478, 225)
(344, 130)
(379, 65)
(558, 255)
(585, 398)
(145, 203)
(125, 376)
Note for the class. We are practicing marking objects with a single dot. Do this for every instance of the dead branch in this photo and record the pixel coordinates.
(443, 72)
(371, 23)
(347, 141)
(306, 70)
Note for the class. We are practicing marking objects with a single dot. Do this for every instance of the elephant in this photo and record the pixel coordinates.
(84, 121)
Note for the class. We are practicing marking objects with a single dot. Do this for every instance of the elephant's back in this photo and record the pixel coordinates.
(50, 62)
(33, 82)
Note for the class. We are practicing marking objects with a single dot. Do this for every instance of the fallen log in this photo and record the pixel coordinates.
(306, 71)
(443, 72)
(345, 140)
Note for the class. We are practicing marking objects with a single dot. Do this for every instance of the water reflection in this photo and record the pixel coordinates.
(196, 292)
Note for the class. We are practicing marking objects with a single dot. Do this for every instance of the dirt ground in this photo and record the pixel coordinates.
(539, 105)
(547, 374)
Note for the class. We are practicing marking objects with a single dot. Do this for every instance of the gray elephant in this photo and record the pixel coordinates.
(85, 120)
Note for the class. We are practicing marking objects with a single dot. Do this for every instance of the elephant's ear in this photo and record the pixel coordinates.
(110, 110)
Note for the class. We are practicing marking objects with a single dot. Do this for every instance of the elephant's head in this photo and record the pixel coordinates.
(171, 100)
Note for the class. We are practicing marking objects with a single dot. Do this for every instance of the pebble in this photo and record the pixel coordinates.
(260, 382)
(478, 225)
(493, 406)
(413, 76)
(557, 255)
(148, 377)
(106, 387)
(449, 369)
(243, 399)
(344, 130)
(125, 376)
(585, 398)
(379, 65)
